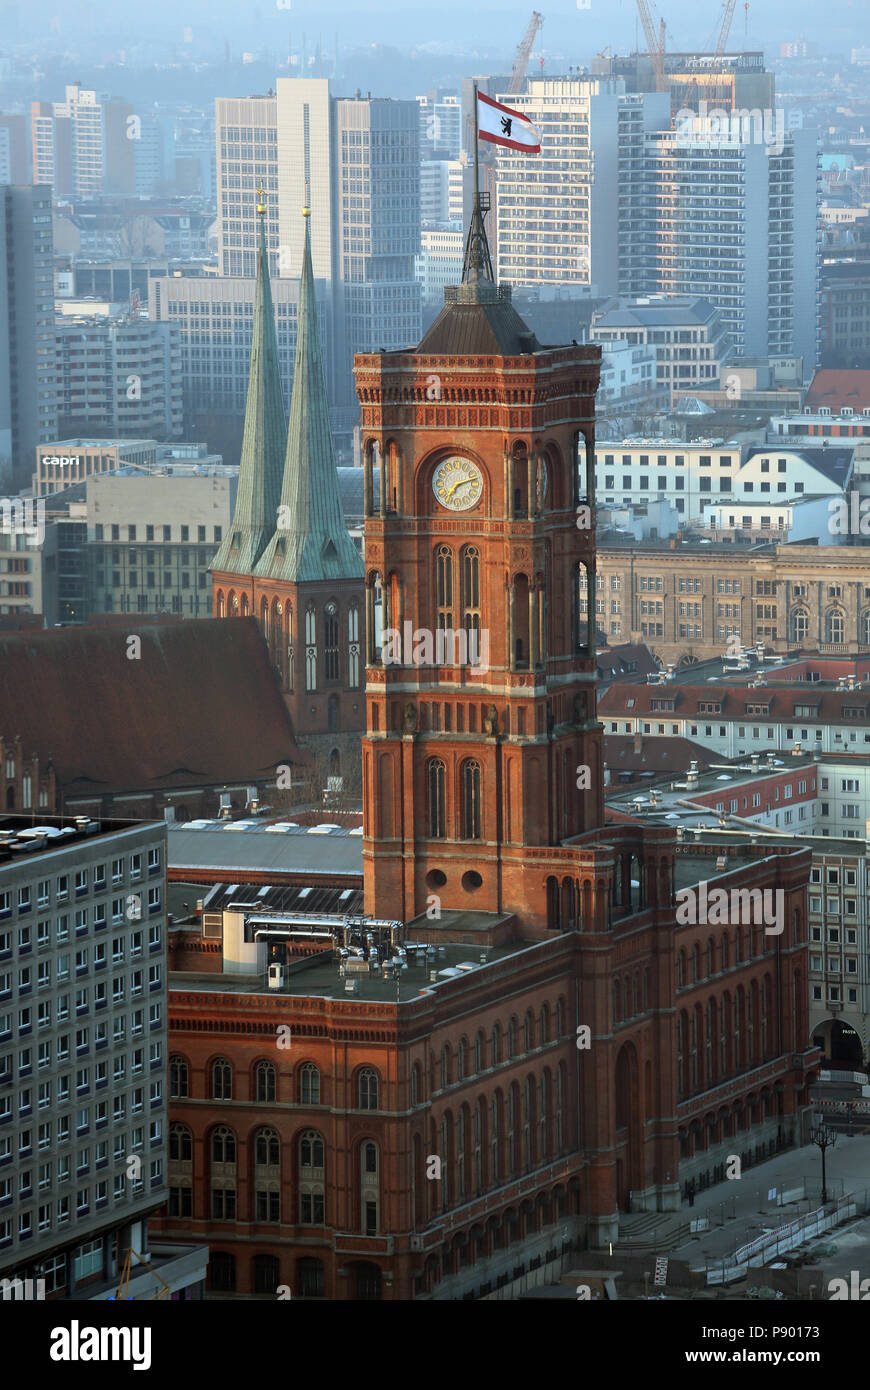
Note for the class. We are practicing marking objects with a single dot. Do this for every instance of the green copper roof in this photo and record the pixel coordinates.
(312, 542)
(259, 489)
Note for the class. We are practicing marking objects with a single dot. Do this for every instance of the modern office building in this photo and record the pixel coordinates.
(28, 370)
(84, 146)
(687, 333)
(359, 160)
(246, 141)
(63, 462)
(574, 215)
(214, 318)
(733, 218)
(121, 377)
(14, 152)
(83, 1102)
(440, 125)
(151, 541)
(439, 262)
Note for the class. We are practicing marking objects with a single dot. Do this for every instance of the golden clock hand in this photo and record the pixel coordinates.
(454, 486)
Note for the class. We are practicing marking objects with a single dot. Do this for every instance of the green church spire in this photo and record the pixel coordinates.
(312, 541)
(259, 488)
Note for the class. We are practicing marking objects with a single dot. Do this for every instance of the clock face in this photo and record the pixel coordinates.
(457, 483)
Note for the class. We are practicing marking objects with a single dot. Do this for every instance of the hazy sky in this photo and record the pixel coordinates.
(491, 26)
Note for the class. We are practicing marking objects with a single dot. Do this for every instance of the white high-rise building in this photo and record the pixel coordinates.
(246, 140)
(572, 215)
(735, 219)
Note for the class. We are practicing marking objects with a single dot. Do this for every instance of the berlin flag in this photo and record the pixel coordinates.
(502, 125)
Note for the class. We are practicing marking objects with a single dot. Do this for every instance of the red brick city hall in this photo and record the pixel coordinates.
(514, 1040)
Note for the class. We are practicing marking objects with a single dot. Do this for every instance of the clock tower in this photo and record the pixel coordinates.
(482, 760)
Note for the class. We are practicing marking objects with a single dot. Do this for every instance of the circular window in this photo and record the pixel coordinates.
(471, 881)
(436, 878)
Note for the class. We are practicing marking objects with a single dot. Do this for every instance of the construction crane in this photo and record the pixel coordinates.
(655, 43)
(524, 51)
(724, 28)
(123, 1294)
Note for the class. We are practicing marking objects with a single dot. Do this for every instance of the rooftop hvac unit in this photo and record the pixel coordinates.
(720, 863)
(276, 976)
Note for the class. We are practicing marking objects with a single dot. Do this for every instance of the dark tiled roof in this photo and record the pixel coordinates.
(655, 754)
(630, 661)
(478, 320)
(200, 706)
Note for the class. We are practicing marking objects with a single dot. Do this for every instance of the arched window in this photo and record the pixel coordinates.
(267, 1273)
(311, 1178)
(800, 625)
(353, 648)
(436, 777)
(528, 1038)
(221, 1080)
(544, 1026)
(180, 1144)
(470, 563)
(267, 1150)
(367, 1083)
(332, 719)
(495, 1046)
(461, 1054)
(309, 1084)
(494, 1129)
(445, 1067)
(330, 641)
(310, 648)
(478, 1054)
(471, 807)
(415, 1084)
(267, 1176)
(512, 1038)
(834, 626)
(444, 586)
(265, 1079)
(178, 1078)
(222, 1272)
(865, 627)
(223, 1145)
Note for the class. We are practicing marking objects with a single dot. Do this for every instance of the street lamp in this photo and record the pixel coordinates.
(824, 1139)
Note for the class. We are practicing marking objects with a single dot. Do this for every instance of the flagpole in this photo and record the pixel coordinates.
(476, 153)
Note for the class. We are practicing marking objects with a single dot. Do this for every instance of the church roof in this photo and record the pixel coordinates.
(200, 706)
(311, 542)
(260, 470)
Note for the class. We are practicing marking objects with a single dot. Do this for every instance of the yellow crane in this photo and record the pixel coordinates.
(655, 43)
(124, 1283)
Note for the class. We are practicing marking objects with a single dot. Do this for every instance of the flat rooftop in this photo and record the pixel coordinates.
(319, 977)
(234, 847)
(23, 839)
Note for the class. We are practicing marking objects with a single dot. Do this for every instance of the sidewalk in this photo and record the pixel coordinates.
(740, 1209)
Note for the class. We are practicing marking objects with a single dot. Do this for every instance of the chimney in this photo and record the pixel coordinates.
(638, 742)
